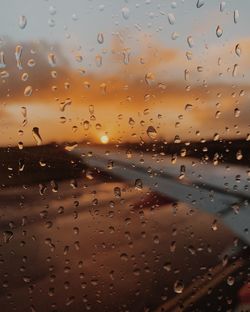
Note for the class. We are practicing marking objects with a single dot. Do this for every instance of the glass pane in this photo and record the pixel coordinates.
(125, 169)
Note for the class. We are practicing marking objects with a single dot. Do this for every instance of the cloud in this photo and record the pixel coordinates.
(129, 84)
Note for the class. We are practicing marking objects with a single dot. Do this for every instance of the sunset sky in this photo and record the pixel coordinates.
(93, 68)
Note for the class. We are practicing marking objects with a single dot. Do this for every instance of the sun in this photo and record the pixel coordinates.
(104, 139)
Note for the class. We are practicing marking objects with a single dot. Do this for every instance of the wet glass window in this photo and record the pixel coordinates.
(124, 156)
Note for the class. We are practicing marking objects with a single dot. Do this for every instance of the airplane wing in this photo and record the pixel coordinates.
(221, 190)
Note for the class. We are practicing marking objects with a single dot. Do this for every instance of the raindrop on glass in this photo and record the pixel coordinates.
(52, 59)
(236, 16)
(190, 41)
(28, 91)
(222, 5)
(22, 21)
(138, 184)
(7, 236)
(171, 18)
(237, 50)
(200, 3)
(178, 287)
(235, 70)
(18, 53)
(125, 12)
(100, 38)
(151, 132)
(36, 135)
(219, 31)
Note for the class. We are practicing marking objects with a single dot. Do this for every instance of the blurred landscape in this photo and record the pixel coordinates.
(35, 164)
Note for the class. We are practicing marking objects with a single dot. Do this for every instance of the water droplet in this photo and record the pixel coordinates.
(237, 50)
(182, 172)
(239, 155)
(89, 175)
(124, 257)
(31, 62)
(42, 189)
(138, 184)
(178, 287)
(100, 38)
(125, 12)
(32, 308)
(236, 113)
(74, 17)
(156, 240)
(69, 301)
(173, 5)
(167, 266)
(186, 74)
(236, 16)
(217, 114)
(103, 88)
(222, 5)
(177, 139)
(78, 58)
(91, 109)
(63, 119)
(51, 22)
(129, 153)
(200, 3)
(230, 280)
(98, 60)
(24, 111)
(28, 91)
(189, 55)
(70, 146)
(137, 272)
(22, 21)
(86, 125)
(25, 76)
(215, 225)
(151, 132)
(54, 186)
(171, 18)
(188, 107)
(36, 135)
(216, 136)
(131, 121)
(199, 69)
(149, 78)
(174, 35)
(64, 104)
(7, 236)
(190, 41)
(20, 145)
(219, 31)
(235, 70)
(2, 61)
(117, 191)
(77, 245)
(98, 126)
(110, 165)
(18, 54)
(4, 74)
(126, 56)
(191, 249)
(52, 59)
(183, 152)
(52, 10)
(101, 7)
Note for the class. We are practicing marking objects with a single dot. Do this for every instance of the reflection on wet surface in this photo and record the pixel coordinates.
(103, 247)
